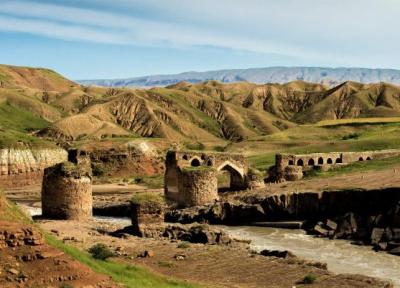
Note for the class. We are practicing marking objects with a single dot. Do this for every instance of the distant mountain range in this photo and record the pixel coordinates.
(330, 76)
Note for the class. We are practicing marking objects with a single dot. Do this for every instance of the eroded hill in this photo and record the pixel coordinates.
(57, 109)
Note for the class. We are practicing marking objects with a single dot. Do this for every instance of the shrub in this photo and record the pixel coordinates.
(219, 148)
(195, 146)
(166, 264)
(309, 279)
(100, 251)
(98, 169)
(183, 245)
(351, 136)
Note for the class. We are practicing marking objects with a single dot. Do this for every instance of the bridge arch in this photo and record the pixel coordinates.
(234, 178)
(195, 162)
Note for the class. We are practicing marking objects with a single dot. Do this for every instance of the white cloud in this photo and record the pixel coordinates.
(340, 30)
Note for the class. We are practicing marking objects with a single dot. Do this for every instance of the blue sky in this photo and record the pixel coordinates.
(85, 39)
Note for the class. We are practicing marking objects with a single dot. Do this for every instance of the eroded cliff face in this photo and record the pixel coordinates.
(20, 167)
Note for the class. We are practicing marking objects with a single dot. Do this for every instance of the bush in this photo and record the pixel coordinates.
(183, 245)
(98, 169)
(309, 279)
(100, 251)
(351, 136)
(195, 146)
(219, 148)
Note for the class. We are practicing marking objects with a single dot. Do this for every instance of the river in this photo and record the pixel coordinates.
(340, 255)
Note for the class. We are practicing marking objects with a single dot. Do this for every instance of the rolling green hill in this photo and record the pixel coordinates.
(209, 113)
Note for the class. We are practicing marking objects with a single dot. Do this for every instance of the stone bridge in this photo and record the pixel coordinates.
(183, 167)
(292, 166)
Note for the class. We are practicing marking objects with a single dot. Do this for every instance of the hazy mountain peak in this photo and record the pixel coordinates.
(329, 76)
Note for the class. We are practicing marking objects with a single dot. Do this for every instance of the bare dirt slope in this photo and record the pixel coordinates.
(27, 261)
(42, 265)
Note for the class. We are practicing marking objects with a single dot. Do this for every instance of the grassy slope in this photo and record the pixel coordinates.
(129, 275)
(309, 139)
(16, 123)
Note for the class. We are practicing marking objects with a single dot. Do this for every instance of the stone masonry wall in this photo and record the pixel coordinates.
(145, 214)
(323, 161)
(197, 187)
(176, 161)
(67, 192)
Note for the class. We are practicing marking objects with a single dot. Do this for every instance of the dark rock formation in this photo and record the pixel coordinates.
(196, 233)
(218, 213)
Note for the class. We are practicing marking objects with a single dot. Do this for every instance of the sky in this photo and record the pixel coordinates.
(99, 39)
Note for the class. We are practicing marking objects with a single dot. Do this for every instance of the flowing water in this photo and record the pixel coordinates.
(340, 255)
(37, 211)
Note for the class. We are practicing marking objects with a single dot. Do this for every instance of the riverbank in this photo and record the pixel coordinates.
(208, 265)
(340, 255)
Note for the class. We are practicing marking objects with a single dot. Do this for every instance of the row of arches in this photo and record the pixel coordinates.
(196, 162)
(320, 161)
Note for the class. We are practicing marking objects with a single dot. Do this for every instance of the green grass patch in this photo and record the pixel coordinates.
(183, 245)
(198, 146)
(196, 168)
(313, 139)
(148, 198)
(16, 123)
(129, 275)
(10, 211)
(309, 279)
(166, 264)
(152, 182)
(100, 251)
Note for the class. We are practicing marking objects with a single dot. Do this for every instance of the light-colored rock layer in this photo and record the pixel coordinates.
(19, 167)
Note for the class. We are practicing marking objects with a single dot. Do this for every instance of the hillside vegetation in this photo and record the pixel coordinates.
(208, 114)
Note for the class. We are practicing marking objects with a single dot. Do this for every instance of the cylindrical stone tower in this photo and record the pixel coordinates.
(197, 186)
(67, 192)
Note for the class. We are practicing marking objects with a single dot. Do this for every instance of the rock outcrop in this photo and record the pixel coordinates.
(381, 230)
(12, 235)
(19, 167)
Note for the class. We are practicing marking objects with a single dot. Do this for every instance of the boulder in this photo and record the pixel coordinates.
(347, 226)
(331, 225)
(395, 251)
(377, 235)
(277, 253)
(318, 230)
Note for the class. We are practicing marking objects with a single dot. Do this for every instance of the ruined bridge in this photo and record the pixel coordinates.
(291, 166)
(192, 175)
